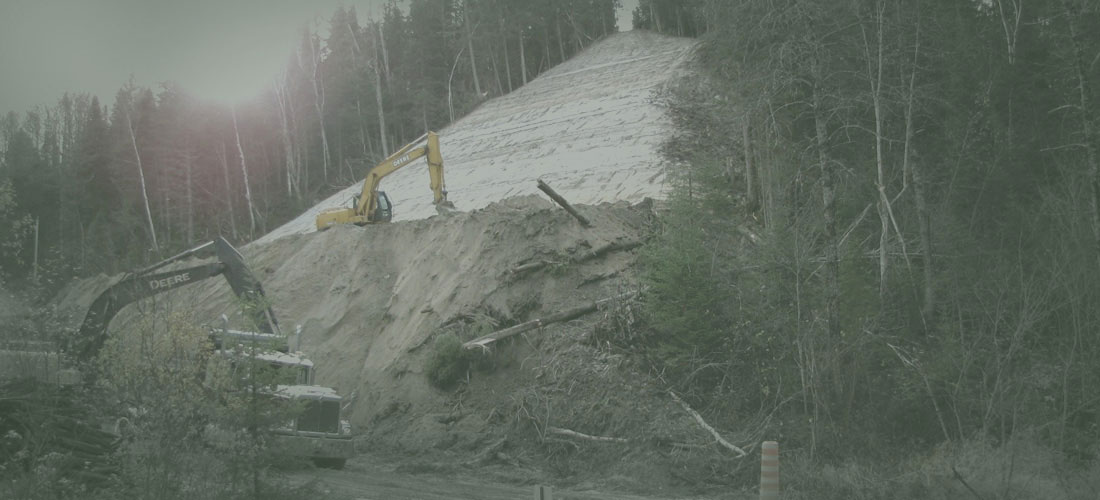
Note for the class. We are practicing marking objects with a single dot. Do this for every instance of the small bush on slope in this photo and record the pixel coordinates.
(449, 362)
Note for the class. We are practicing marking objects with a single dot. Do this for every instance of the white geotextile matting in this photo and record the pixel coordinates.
(588, 127)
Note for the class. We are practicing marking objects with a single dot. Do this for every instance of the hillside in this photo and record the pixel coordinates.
(374, 301)
(588, 127)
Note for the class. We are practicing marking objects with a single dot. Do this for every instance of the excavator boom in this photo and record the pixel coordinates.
(145, 283)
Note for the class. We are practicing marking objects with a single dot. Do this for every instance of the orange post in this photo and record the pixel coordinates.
(769, 470)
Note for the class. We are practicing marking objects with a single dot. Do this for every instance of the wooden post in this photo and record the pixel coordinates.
(769, 470)
(543, 493)
(561, 201)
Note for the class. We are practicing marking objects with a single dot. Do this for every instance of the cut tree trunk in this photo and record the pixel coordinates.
(580, 435)
(703, 423)
(746, 232)
(564, 204)
(569, 314)
(614, 246)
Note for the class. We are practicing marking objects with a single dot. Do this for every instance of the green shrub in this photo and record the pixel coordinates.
(449, 362)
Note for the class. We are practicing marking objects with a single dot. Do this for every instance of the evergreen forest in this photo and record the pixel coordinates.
(89, 186)
(881, 244)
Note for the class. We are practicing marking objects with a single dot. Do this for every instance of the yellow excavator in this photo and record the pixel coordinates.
(372, 205)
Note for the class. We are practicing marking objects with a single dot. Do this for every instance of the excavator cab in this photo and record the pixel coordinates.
(384, 212)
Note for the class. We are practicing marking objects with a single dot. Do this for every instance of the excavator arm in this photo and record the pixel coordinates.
(365, 209)
(146, 283)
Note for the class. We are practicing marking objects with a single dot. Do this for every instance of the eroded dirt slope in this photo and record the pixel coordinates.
(369, 299)
(373, 300)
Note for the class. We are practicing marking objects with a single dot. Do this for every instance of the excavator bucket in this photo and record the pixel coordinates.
(445, 207)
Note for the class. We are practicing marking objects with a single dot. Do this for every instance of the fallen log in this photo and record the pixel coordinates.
(615, 246)
(702, 423)
(561, 201)
(493, 452)
(530, 266)
(566, 315)
(562, 441)
(753, 237)
(581, 435)
(689, 446)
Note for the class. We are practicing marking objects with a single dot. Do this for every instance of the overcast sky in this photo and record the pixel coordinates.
(225, 50)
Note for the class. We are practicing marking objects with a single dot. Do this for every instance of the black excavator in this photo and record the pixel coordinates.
(147, 282)
(320, 432)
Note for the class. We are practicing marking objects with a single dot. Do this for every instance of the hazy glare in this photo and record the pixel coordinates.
(225, 50)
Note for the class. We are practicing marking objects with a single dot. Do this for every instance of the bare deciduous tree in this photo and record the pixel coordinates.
(470, 45)
(1084, 91)
(378, 89)
(244, 173)
(316, 79)
(228, 191)
(141, 178)
(282, 102)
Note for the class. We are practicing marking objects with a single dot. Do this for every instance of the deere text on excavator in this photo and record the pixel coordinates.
(372, 205)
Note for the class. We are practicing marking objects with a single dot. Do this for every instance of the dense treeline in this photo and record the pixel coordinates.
(87, 186)
(886, 229)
